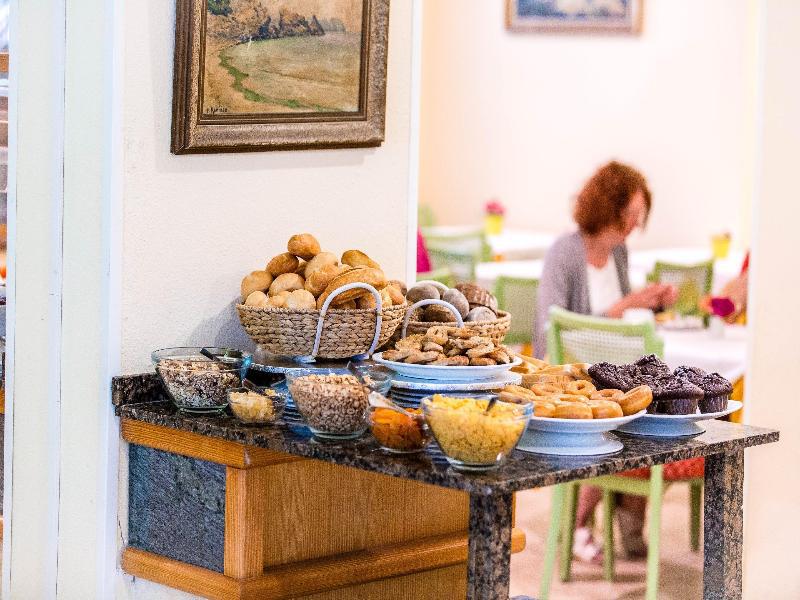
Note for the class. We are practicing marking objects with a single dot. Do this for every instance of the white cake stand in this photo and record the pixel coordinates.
(675, 425)
(573, 437)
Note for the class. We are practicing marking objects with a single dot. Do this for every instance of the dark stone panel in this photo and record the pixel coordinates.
(489, 564)
(134, 389)
(2, 458)
(176, 507)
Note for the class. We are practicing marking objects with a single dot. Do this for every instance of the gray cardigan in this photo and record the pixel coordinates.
(565, 283)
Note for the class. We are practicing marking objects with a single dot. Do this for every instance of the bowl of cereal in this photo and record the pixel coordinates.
(256, 405)
(333, 405)
(199, 384)
(471, 438)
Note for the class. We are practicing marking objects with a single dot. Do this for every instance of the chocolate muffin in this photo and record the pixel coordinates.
(607, 376)
(717, 391)
(674, 396)
(651, 366)
(693, 374)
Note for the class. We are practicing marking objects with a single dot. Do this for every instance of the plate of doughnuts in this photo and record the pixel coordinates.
(657, 425)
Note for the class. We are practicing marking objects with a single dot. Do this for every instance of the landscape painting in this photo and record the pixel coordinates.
(279, 74)
(283, 56)
(620, 16)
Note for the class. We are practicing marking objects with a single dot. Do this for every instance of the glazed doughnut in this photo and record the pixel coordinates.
(637, 399)
(546, 389)
(571, 398)
(572, 410)
(609, 394)
(580, 387)
(544, 409)
(528, 379)
(605, 409)
(520, 392)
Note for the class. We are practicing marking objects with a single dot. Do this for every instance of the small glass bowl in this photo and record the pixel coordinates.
(377, 378)
(196, 383)
(470, 439)
(332, 402)
(257, 406)
(398, 433)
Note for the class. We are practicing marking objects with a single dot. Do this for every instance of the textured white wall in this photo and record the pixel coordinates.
(193, 226)
(528, 117)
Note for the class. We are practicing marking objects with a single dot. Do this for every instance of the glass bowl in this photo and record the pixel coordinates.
(332, 403)
(256, 406)
(470, 439)
(196, 383)
(398, 433)
(377, 378)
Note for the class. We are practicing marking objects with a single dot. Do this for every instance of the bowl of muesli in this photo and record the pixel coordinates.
(198, 383)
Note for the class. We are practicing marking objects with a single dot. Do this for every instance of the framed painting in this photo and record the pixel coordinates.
(279, 74)
(610, 16)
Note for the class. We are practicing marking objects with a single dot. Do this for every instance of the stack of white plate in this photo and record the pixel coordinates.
(410, 390)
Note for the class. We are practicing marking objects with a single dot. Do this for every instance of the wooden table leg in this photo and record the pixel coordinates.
(489, 564)
(722, 568)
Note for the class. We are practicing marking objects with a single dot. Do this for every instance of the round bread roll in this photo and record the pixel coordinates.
(279, 301)
(256, 281)
(288, 282)
(356, 258)
(349, 305)
(301, 299)
(303, 245)
(283, 263)
(399, 285)
(301, 268)
(458, 300)
(424, 291)
(373, 277)
(481, 313)
(317, 281)
(368, 301)
(321, 260)
(395, 294)
(439, 314)
(258, 299)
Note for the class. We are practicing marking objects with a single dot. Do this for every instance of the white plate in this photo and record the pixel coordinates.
(440, 373)
(676, 425)
(573, 437)
(404, 382)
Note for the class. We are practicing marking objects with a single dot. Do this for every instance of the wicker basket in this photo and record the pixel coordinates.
(292, 332)
(496, 329)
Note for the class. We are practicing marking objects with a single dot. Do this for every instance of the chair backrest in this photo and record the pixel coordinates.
(580, 338)
(693, 282)
(518, 297)
(459, 252)
(444, 276)
(425, 216)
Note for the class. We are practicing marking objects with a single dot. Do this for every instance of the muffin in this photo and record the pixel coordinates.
(693, 374)
(674, 396)
(717, 391)
(609, 376)
(651, 366)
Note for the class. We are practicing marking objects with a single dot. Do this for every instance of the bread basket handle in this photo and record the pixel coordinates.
(421, 303)
(327, 303)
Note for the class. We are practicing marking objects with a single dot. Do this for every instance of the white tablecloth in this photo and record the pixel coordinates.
(511, 244)
(726, 355)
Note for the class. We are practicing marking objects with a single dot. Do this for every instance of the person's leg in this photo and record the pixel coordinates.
(587, 501)
(630, 517)
(584, 546)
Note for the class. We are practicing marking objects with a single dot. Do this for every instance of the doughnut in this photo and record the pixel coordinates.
(580, 387)
(609, 394)
(572, 398)
(512, 398)
(528, 379)
(546, 389)
(544, 409)
(572, 410)
(637, 399)
(605, 409)
(520, 392)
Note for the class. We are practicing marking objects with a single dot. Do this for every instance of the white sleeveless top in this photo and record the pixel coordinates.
(604, 290)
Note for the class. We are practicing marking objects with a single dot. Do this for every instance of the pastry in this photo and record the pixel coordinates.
(321, 260)
(368, 301)
(257, 299)
(424, 291)
(693, 374)
(481, 361)
(458, 300)
(395, 294)
(520, 392)
(373, 277)
(256, 281)
(438, 314)
(396, 355)
(301, 268)
(605, 409)
(500, 355)
(346, 305)
(652, 366)
(399, 285)
(529, 379)
(438, 335)
(605, 375)
(635, 400)
(607, 394)
(288, 282)
(451, 361)
(478, 296)
(279, 299)
(716, 392)
(674, 396)
(412, 342)
(301, 299)
(283, 263)
(580, 387)
(356, 258)
(480, 313)
(546, 389)
(481, 350)
(320, 278)
(572, 410)
(419, 357)
(303, 245)
(544, 409)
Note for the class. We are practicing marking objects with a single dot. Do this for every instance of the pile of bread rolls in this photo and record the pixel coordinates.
(473, 303)
(304, 277)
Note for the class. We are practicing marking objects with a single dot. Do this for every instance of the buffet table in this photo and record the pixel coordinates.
(228, 511)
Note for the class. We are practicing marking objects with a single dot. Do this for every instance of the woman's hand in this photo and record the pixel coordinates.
(653, 296)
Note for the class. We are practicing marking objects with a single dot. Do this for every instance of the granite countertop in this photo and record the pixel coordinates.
(141, 398)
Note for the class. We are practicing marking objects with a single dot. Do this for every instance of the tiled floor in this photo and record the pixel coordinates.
(681, 569)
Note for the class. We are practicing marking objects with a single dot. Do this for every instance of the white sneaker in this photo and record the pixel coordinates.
(584, 547)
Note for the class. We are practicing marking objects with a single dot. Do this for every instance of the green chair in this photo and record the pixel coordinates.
(518, 296)
(460, 252)
(425, 216)
(444, 276)
(693, 282)
(579, 338)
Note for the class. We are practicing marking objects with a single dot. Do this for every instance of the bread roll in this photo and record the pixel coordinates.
(373, 277)
(438, 314)
(368, 301)
(301, 268)
(356, 258)
(283, 263)
(395, 294)
(258, 299)
(318, 280)
(287, 282)
(423, 291)
(458, 300)
(303, 245)
(279, 301)
(301, 299)
(256, 281)
(349, 305)
(321, 260)
(399, 285)
(481, 313)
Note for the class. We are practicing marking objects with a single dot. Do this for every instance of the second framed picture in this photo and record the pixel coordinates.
(575, 16)
(263, 75)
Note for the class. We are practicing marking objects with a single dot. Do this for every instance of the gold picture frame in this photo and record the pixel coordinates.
(548, 16)
(257, 81)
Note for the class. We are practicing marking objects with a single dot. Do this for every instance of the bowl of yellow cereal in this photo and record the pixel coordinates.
(470, 438)
(256, 405)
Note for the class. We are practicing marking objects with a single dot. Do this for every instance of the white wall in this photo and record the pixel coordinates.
(527, 117)
(195, 225)
(773, 479)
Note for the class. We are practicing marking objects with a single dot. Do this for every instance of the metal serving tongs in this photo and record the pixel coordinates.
(378, 400)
